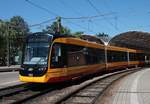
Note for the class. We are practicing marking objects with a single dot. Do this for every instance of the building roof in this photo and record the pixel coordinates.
(132, 39)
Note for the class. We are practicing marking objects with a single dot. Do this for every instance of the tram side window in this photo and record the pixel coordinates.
(141, 56)
(133, 57)
(116, 56)
(75, 55)
(80, 55)
(95, 56)
(58, 54)
(101, 55)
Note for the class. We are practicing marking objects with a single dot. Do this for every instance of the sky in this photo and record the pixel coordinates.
(114, 16)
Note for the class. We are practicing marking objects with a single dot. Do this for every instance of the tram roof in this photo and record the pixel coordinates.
(133, 39)
(80, 42)
(89, 38)
(46, 33)
(92, 39)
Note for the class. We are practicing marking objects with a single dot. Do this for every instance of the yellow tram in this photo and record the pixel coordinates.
(55, 58)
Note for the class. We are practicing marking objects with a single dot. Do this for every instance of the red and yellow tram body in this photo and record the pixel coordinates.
(116, 57)
(76, 65)
(72, 58)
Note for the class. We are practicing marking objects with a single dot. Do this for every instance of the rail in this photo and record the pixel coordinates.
(85, 92)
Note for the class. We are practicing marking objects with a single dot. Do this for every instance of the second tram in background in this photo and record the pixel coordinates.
(55, 58)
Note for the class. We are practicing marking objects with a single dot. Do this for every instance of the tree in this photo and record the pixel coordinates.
(3, 43)
(19, 29)
(12, 35)
(104, 37)
(53, 29)
(63, 30)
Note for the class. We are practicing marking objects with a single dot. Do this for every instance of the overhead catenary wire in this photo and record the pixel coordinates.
(115, 18)
(42, 8)
(92, 5)
(79, 26)
(64, 18)
(89, 17)
(71, 18)
(65, 4)
(141, 26)
(44, 22)
(70, 7)
(129, 13)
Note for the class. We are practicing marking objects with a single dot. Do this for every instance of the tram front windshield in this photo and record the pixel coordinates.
(36, 53)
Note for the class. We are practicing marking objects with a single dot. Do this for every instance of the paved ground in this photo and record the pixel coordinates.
(133, 89)
(9, 79)
(10, 68)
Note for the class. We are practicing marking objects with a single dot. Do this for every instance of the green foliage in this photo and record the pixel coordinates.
(19, 29)
(63, 30)
(3, 31)
(12, 32)
(104, 37)
(53, 29)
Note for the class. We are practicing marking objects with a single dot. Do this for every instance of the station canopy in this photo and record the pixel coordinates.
(132, 39)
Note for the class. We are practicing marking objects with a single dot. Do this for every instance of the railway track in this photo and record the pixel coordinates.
(90, 93)
(8, 91)
(23, 92)
(82, 93)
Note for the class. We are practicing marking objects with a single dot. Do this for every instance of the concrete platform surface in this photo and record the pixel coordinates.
(9, 68)
(9, 79)
(133, 89)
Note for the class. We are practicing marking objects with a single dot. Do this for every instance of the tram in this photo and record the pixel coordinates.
(49, 58)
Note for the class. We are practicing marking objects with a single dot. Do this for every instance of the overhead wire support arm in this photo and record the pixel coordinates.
(44, 22)
(89, 17)
(72, 18)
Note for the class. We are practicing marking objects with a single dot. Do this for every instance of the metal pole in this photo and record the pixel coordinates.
(106, 61)
(128, 58)
(8, 47)
(58, 25)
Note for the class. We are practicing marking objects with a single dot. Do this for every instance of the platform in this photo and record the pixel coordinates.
(9, 68)
(9, 79)
(133, 89)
